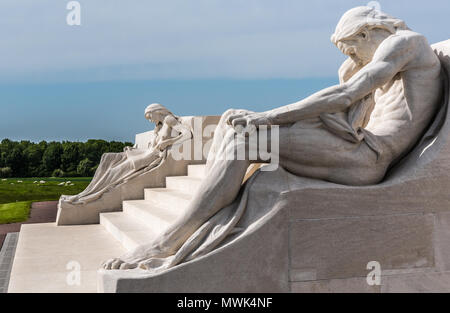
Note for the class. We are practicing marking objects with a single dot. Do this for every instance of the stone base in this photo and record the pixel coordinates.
(331, 255)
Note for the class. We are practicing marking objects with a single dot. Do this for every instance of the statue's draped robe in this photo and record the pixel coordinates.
(350, 125)
(117, 168)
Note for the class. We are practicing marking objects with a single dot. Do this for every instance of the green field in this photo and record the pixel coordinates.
(16, 194)
(14, 212)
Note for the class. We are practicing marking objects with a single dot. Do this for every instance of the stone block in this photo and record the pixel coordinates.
(419, 282)
(342, 248)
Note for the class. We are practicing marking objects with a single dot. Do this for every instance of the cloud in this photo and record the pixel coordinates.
(148, 39)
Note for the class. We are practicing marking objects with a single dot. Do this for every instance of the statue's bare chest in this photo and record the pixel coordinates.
(389, 97)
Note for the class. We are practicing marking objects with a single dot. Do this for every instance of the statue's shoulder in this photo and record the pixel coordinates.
(170, 120)
(402, 44)
(411, 37)
(405, 39)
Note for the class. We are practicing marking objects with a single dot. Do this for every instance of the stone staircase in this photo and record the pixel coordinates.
(142, 220)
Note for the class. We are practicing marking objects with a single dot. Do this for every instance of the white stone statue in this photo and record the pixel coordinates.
(117, 168)
(351, 133)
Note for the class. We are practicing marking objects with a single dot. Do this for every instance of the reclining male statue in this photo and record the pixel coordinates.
(351, 133)
(117, 168)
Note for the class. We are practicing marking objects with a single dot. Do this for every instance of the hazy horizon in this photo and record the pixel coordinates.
(114, 110)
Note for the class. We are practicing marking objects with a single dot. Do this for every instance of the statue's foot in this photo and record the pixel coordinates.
(156, 263)
(71, 199)
(67, 198)
(119, 264)
(142, 257)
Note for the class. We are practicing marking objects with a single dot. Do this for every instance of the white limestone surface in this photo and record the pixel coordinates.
(51, 259)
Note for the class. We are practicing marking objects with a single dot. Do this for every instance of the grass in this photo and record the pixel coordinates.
(14, 212)
(17, 194)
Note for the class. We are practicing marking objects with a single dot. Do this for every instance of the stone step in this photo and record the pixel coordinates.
(153, 216)
(197, 170)
(129, 231)
(185, 184)
(55, 251)
(168, 199)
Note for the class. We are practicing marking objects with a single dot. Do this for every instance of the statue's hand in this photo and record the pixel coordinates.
(161, 146)
(128, 148)
(248, 119)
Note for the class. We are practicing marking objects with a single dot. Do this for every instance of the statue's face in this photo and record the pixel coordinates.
(156, 117)
(362, 46)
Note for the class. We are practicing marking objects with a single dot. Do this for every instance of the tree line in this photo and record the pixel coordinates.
(55, 159)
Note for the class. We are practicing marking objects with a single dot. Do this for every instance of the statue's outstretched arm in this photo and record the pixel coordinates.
(393, 55)
(184, 133)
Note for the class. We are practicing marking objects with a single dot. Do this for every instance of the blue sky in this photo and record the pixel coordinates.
(195, 56)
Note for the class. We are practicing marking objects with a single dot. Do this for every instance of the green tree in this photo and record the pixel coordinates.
(58, 173)
(116, 146)
(28, 159)
(52, 157)
(5, 147)
(85, 167)
(70, 157)
(94, 149)
(33, 153)
(14, 160)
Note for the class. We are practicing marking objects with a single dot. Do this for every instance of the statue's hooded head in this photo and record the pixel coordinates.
(361, 30)
(157, 112)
